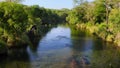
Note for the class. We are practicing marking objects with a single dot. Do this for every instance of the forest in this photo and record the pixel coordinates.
(100, 17)
(18, 22)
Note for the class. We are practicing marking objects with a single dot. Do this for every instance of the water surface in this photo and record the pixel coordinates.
(65, 47)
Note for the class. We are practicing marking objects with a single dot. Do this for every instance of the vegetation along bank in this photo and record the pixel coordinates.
(100, 17)
(19, 24)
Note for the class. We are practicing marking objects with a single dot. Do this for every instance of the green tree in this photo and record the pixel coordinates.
(99, 11)
(78, 2)
(13, 21)
(78, 14)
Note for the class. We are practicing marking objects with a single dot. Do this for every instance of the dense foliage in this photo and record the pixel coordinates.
(21, 25)
(13, 22)
(17, 20)
(100, 17)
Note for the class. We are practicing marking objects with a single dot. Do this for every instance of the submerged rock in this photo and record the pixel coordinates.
(74, 64)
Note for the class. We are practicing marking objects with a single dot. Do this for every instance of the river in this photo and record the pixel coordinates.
(65, 47)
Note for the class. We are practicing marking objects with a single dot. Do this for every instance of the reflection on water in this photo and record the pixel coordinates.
(65, 47)
(17, 58)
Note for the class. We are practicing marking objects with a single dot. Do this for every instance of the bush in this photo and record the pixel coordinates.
(14, 22)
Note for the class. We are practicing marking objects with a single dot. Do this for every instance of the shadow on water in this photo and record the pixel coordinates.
(35, 39)
(88, 49)
(105, 55)
(16, 58)
(20, 57)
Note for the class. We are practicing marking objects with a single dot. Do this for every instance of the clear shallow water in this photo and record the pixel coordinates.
(65, 47)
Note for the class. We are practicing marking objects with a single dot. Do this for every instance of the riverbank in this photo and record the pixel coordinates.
(21, 25)
(111, 34)
(64, 47)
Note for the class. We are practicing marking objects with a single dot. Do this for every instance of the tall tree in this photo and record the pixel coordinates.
(99, 11)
